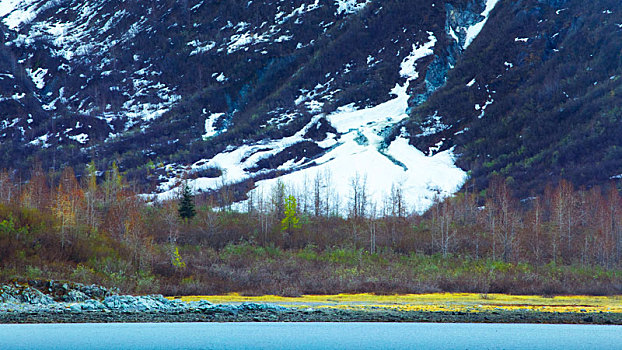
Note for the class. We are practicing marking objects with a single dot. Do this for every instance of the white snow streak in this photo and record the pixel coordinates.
(210, 129)
(474, 30)
(408, 67)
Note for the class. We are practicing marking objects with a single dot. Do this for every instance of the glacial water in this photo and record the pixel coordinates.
(308, 336)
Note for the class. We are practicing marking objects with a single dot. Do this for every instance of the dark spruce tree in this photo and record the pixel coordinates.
(186, 204)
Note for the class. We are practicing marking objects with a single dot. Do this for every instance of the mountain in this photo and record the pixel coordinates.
(370, 98)
(536, 98)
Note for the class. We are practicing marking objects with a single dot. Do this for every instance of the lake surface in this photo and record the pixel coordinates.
(308, 336)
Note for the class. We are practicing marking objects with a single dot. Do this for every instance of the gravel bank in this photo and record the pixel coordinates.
(295, 315)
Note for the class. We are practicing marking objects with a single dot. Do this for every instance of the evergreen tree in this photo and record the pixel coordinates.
(186, 203)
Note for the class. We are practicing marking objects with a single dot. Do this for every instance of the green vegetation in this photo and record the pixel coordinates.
(291, 220)
(176, 259)
(257, 270)
(566, 241)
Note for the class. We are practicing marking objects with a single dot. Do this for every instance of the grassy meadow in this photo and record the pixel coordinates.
(451, 302)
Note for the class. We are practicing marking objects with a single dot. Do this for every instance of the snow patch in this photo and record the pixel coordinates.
(234, 163)
(408, 66)
(241, 41)
(5, 124)
(350, 6)
(474, 30)
(311, 99)
(220, 77)
(81, 138)
(17, 12)
(421, 179)
(210, 129)
(453, 34)
(37, 76)
(18, 96)
(281, 17)
(349, 118)
(41, 141)
(483, 108)
(201, 47)
(433, 126)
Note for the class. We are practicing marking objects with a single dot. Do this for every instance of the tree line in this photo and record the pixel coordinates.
(561, 225)
(96, 228)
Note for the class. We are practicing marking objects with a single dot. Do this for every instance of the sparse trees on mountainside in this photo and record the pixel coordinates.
(358, 196)
(36, 193)
(68, 198)
(7, 187)
(443, 229)
(113, 185)
(505, 222)
(277, 199)
(90, 195)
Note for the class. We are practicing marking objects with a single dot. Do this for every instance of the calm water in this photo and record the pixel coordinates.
(308, 336)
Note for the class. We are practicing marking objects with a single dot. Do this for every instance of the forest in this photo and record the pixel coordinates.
(96, 228)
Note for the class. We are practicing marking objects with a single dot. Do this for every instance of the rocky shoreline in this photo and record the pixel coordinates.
(318, 315)
(64, 302)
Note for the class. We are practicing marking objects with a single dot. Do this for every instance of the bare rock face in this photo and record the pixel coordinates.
(147, 303)
(75, 299)
(63, 291)
(20, 293)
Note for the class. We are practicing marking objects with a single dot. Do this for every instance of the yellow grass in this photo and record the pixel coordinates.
(465, 302)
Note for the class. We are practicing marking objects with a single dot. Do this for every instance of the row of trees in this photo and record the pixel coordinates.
(561, 226)
(82, 210)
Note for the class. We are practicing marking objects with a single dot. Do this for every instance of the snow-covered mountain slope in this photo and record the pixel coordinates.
(535, 98)
(356, 156)
(231, 91)
(384, 95)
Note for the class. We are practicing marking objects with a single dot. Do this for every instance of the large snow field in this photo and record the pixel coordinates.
(357, 155)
